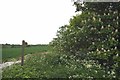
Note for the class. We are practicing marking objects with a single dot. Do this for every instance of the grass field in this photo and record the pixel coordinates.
(9, 53)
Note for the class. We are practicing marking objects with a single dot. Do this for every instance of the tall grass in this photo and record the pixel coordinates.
(53, 65)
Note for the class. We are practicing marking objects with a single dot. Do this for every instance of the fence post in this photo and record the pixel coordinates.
(22, 56)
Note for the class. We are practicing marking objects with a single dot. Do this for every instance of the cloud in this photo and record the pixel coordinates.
(34, 20)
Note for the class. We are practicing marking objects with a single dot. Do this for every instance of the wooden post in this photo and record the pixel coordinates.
(22, 56)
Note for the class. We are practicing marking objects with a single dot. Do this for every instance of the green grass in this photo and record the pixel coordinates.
(53, 65)
(10, 53)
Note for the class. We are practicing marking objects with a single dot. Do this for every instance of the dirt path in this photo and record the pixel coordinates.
(6, 64)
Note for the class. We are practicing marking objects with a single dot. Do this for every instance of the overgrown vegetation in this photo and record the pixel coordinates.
(52, 65)
(93, 35)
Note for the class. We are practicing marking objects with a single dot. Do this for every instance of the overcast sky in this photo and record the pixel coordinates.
(35, 21)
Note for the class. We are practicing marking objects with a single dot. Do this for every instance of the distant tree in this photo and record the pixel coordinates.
(12, 46)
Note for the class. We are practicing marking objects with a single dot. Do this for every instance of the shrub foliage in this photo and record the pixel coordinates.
(93, 35)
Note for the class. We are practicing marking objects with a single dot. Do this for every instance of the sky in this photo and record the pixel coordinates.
(35, 21)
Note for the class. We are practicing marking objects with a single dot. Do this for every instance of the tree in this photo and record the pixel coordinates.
(95, 34)
(107, 48)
